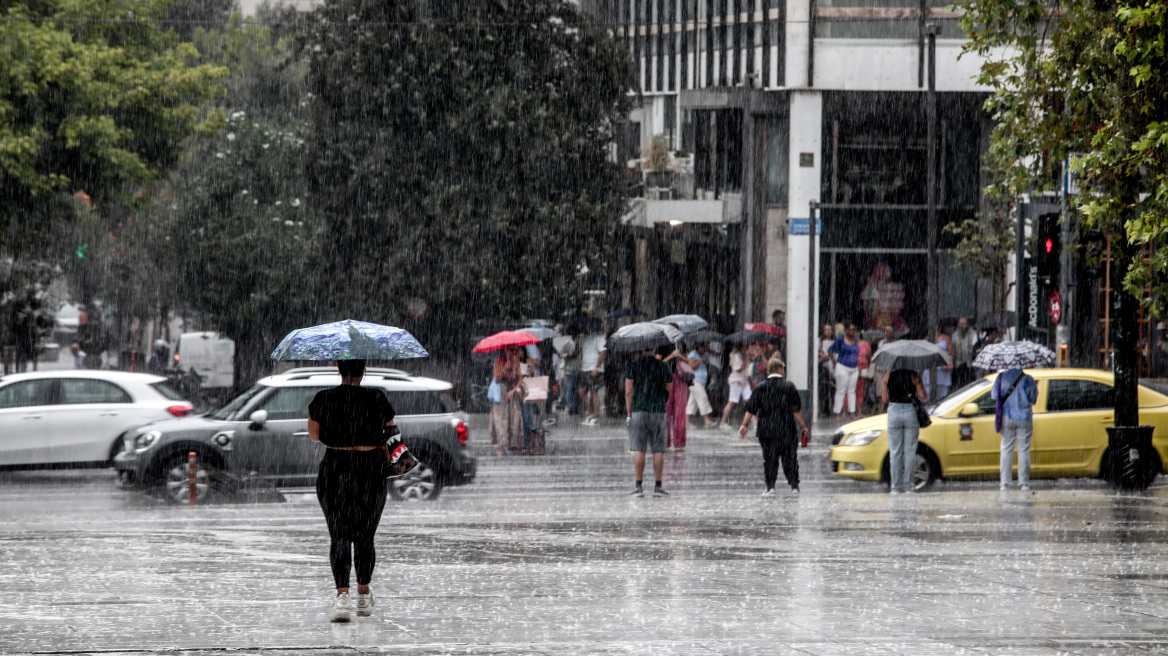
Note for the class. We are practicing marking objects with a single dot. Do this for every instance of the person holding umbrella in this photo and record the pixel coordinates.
(648, 382)
(507, 391)
(1014, 393)
(355, 424)
(902, 390)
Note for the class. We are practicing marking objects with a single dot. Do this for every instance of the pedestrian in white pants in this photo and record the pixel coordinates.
(846, 353)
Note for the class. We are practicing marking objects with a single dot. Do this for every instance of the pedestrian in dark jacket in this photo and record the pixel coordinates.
(777, 404)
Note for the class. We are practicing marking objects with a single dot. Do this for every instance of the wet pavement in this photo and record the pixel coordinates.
(550, 556)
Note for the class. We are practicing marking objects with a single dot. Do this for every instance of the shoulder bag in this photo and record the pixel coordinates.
(923, 417)
(398, 459)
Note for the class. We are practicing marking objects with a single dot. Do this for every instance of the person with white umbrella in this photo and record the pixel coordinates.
(1015, 393)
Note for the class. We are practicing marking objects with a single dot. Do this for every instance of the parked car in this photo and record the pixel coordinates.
(263, 433)
(77, 418)
(1074, 408)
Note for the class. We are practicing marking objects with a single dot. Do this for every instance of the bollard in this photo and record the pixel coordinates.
(192, 471)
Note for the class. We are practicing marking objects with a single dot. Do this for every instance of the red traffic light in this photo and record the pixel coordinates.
(1049, 245)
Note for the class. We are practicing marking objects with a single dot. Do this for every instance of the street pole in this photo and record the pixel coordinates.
(812, 332)
(931, 292)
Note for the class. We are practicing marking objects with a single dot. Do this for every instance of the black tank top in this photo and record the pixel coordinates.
(900, 386)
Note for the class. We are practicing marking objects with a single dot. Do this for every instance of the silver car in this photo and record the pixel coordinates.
(263, 433)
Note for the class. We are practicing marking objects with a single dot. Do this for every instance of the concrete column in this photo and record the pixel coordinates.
(806, 137)
(798, 35)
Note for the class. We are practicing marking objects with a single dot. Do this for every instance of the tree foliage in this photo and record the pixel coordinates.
(1084, 81)
(95, 97)
(458, 152)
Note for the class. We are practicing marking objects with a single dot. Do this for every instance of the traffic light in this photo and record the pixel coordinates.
(1049, 247)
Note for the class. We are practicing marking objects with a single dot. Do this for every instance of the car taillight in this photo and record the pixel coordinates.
(180, 410)
(463, 433)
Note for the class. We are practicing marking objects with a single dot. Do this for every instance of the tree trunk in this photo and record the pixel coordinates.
(1126, 356)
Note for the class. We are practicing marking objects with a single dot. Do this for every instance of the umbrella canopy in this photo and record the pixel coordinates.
(542, 332)
(504, 339)
(686, 323)
(768, 328)
(703, 336)
(644, 335)
(349, 340)
(1014, 355)
(910, 354)
(749, 337)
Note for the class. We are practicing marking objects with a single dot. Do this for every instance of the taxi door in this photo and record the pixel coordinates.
(973, 445)
(1071, 434)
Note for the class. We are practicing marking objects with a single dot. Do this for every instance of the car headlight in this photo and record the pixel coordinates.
(863, 438)
(146, 440)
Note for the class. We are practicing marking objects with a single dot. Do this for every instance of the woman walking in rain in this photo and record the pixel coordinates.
(739, 383)
(507, 425)
(352, 422)
(898, 389)
(676, 420)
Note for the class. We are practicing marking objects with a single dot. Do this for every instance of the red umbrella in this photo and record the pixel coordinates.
(769, 328)
(505, 339)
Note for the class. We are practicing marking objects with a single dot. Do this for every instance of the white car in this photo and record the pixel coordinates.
(77, 418)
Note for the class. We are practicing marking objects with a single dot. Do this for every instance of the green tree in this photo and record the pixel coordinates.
(1085, 80)
(459, 152)
(235, 238)
(95, 96)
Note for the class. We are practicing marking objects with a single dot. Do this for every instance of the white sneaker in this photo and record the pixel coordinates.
(794, 491)
(1023, 488)
(365, 604)
(341, 608)
(1005, 487)
(589, 421)
(769, 493)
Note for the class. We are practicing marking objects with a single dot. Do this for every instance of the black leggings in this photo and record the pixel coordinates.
(351, 489)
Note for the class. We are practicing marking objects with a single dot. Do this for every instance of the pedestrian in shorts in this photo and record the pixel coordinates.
(591, 377)
(648, 381)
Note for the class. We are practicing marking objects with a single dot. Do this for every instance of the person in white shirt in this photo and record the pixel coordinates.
(592, 356)
(739, 381)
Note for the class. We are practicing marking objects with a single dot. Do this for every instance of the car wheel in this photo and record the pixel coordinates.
(421, 484)
(173, 477)
(925, 471)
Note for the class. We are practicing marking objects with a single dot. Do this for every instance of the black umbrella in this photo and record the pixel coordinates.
(916, 354)
(750, 337)
(704, 336)
(644, 335)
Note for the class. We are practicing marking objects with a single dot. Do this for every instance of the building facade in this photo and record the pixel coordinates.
(769, 106)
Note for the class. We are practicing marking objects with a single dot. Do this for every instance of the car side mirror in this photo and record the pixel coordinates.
(970, 410)
(258, 419)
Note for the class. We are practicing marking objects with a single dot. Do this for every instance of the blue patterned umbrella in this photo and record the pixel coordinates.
(349, 340)
(1014, 355)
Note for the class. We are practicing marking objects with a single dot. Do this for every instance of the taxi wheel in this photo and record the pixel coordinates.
(926, 470)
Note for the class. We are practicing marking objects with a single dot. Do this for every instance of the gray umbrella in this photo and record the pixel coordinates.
(704, 336)
(540, 331)
(686, 323)
(918, 354)
(644, 335)
(750, 337)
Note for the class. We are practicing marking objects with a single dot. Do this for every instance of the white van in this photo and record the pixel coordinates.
(211, 356)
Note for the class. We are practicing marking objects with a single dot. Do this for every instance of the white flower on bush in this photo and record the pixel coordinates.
(295, 202)
(231, 136)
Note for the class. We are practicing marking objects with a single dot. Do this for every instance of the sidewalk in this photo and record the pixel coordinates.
(610, 436)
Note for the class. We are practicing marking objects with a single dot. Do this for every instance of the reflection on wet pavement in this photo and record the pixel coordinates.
(500, 567)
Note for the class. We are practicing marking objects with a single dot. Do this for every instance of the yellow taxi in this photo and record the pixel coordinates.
(1073, 411)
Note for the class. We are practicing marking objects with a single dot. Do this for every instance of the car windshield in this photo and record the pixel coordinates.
(235, 406)
(957, 398)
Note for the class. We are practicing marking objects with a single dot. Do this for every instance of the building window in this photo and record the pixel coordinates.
(717, 151)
